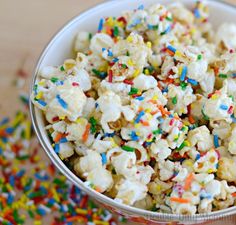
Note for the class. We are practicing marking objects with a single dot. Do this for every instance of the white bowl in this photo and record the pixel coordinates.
(60, 48)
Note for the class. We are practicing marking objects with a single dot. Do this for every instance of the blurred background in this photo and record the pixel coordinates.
(26, 26)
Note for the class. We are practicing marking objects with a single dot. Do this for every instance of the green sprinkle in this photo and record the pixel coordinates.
(93, 123)
(99, 74)
(31, 214)
(169, 19)
(204, 115)
(54, 79)
(128, 148)
(23, 157)
(133, 91)
(124, 66)
(174, 100)
(224, 76)
(127, 53)
(183, 85)
(116, 31)
(62, 68)
(158, 131)
(199, 57)
(90, 36)
(182, 146)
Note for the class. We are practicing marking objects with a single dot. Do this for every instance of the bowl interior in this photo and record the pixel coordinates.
(60, 48)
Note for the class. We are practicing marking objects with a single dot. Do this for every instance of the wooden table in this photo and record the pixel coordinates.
(25, 27)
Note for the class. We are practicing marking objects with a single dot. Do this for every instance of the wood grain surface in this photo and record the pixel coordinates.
(25, 28)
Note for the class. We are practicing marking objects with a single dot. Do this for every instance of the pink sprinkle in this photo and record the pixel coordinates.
(110, 76)
(231, 109)
(231, 51)
(172, 122)
(75, 84)
(218, 154)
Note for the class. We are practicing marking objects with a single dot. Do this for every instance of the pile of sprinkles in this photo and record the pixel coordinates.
(31, 188)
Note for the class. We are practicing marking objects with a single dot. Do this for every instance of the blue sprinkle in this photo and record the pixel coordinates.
(139, 116)
(51, 201)
(12, 180)
(140, 98)
(171, 116)
(223, 107)
(216, 141)
(233, 118)
(104, 158)
(171, 48)
(96, 105)
(141, 7)
(110, 53)
(109, 135)
(62, 102)
(63, 140)
(9, 130)
(192, 81)
(20, 173)
(204, 194)
(165, 90)
(233, 75)
(59, 82)
(41, 102)
(10, 199)
(4, 139)
(135, 23)
(103, 49)
(198, 156)
(1, 151)
(41, 211)
(40, 177)
(100, 25)
(4, 121)
(115, 60)
(184, 73)
(168, 29)
(161, 120)
(57, 148)
(197, 13)
(134, 136)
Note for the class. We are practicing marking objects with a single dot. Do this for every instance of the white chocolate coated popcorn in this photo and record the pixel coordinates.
(145, 111)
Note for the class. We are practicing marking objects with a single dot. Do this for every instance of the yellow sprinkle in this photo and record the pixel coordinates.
(129, 39)
(41, 83)
(130, 62)
(137, 125)
(146, 71)
(187, 143)
(110, 22)
(28, 130)
(82, 211)
(55, 195)
(155, 97)
(99, 222)
(136, 73)
(9, 187)
(69, 64)
(19, 118)
(214, 97)
(103, 67)
(148, 110)
(2, 145)
(178, 54)
(149, 44)
(159, 187)
(39, 95)
(37, 222)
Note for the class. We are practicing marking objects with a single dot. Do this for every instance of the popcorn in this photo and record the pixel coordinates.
(145, 112)
(130, 192)
(227, 169)
(201, 137)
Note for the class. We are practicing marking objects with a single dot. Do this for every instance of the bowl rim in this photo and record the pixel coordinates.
(132, 211)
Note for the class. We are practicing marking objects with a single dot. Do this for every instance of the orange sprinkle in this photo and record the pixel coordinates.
(75, 218)
(234, 194)
(109, 31)
(164, 112)
(152, 101)
(154, 112)
(191, 119)
(188, 181)
(170, 52)
(179, 200)
(58, 137)
(86, 133)
(145, 123)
